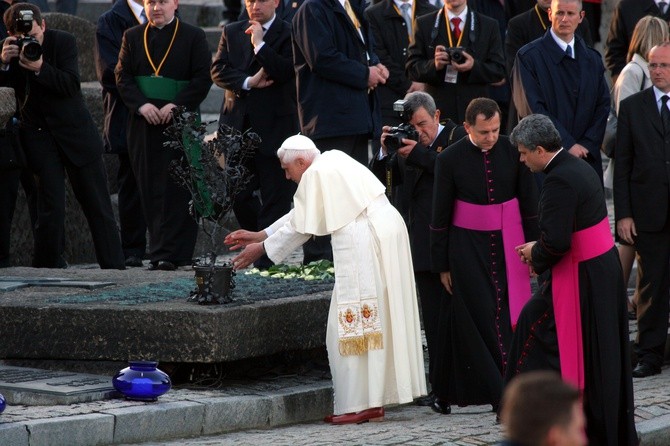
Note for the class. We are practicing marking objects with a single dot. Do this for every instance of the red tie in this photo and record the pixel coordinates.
(457, 29)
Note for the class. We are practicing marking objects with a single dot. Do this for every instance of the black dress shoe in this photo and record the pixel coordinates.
(642, 370)
(441, 406)
(133, 261)
(166, 265)
(425, 401)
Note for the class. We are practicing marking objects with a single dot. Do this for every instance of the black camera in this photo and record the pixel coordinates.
(456, 54)
(393, 140)
(28, 45)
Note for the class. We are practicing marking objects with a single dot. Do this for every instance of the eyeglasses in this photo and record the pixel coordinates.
(662, 66)
(251, 2)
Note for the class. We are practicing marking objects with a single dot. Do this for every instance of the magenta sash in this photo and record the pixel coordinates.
(505, 217)
(586, 244)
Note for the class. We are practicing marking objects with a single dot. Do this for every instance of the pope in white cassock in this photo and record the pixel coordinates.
(373, 335)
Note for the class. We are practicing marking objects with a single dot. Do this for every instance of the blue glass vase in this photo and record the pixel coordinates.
(3, 403)
(142, 381)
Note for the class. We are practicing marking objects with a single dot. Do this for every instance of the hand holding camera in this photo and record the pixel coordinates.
(402, 138)
(26, 47)
(457, 57)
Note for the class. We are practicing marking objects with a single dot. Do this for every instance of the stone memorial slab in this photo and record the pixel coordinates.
(15, 283)
(37, 387)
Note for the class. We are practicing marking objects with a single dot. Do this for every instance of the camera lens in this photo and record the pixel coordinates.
(32, 50)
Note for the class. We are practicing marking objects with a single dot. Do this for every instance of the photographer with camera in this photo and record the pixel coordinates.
(457, 53)
(58, 134)
(406, 158)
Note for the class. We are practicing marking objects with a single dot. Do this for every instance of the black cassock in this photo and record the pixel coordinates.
(474, 327)
(173, 231)
(572, 199)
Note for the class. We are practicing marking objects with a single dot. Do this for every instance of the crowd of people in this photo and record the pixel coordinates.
(485, 212)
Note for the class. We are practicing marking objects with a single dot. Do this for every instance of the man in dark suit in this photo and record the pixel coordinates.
(162, 64)
(576, 323)
(531, 25)
(454, 81)
(254, 64)
(624, 18)
(416, 160)
(391, 22)
(58, 135)
(523, 29)
(559, 76)
(642, 203)
(108, 35)
(337, 71)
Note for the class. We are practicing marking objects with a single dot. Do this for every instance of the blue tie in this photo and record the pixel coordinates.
(143, 16)
(568, 51)
(404, 8)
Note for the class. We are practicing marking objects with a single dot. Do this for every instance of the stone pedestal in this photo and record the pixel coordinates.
(7, 105)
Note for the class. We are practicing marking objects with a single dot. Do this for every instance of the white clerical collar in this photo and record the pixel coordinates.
(552, 158)
(463, 15)
(480, 149)
(161, 27)
(563, 44)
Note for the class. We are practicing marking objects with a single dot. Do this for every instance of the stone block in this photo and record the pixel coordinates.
(14, 434)
(157, 421)
(7, 105)
(227, 414)
(301, 404)
(655, 432)
(84, 430)
(84, 31)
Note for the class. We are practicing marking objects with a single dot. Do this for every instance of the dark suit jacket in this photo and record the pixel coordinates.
(484, 44)
(391, 43)
(641, 175)
(624, 18)
(543, 83)
(54, 99)
(516, 7)
(417, 188)
(108, 35)
(331, 65)
(271, 112)
(527, 27)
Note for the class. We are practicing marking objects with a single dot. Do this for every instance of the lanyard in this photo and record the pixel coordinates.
(146, 49)
(448, 26)
(537, 11)
(409, 34)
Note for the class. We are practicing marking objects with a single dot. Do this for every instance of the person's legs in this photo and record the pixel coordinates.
(9, 187)
(131, 217)
(89, 184)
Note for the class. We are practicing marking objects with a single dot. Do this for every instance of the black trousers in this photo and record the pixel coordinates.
(9, 188)
(653, 307)
(431, 296)
(131, 218)
(89, 184)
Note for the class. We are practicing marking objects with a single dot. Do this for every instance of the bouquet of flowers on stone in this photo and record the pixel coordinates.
(214, 172)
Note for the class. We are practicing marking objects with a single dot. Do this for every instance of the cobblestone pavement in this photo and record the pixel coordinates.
(412, 425)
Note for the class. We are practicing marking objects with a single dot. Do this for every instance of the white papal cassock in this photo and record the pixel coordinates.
(339, 196)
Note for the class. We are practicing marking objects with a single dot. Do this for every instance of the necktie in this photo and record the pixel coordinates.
(568, 51)
(661, 6)
(407, 15)
(351, 14)
(143, 16)
(457, 27)
(665, 114)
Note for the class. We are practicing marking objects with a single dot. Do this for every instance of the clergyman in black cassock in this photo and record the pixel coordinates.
(163, 49)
